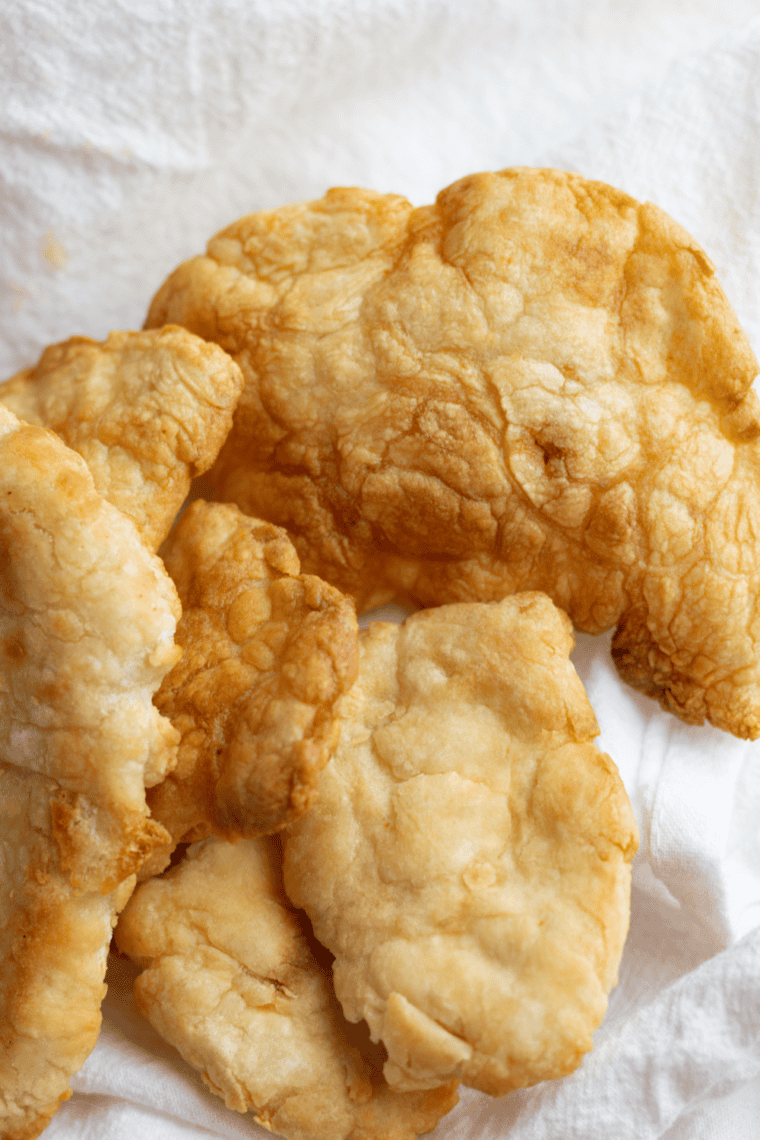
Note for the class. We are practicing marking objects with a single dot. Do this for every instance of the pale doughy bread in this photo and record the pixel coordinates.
(467, 857)
(147, 411)
(231, 981)
(87, 618)
(536, 383)
(267, 654)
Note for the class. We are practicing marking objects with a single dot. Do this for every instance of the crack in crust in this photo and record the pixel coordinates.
(535, 383)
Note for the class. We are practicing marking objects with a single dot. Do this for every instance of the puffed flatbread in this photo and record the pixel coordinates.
(267, 654)
(467, 858)
(147, 411)
(87, 620)
(536, 383)
(231, 981)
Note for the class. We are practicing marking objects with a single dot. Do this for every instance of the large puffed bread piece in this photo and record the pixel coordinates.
(536, 383)
(467, 857)
(87, 620)
(267, 654)
(147, 411)
(231, 981)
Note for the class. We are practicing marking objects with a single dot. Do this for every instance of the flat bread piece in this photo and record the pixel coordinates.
(267, 654)
(467, 857)
(536, 383)
(147, 411)
(231, 981)
(87, 620)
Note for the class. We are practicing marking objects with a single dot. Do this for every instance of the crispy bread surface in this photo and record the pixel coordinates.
(535, 383)
(87, 618)
(467, 857)
(146, 411)
(231, 980)
(267, 654)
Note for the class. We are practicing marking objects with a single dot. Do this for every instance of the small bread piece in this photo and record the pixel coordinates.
(231, 981)
(87, 618)
(467, 857)
(147, 411)
(267, 654)
(536, 383)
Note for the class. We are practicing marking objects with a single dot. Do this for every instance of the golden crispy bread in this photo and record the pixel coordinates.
(87, 618)
(535, 383)
(146, 411)
(232, 982)
(267, 654)
(467, 856)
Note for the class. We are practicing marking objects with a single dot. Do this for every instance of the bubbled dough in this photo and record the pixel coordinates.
(230, 979)
(267, 654)
(87, 620)
(467, 857)
(535, 383)
(147, 411)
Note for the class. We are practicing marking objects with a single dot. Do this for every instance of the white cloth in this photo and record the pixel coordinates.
(132, 129)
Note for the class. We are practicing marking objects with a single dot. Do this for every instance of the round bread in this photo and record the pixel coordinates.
(231, 979)
(467, 857)
(267, 655)
(87, 620)
(147, 411)
(536, 383)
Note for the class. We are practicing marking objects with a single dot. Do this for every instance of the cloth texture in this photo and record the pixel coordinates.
(134, 129)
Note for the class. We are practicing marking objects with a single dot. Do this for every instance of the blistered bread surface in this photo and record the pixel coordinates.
(231, 981)
(267, 655)
(467, 857)
(147, 411)
(535, 383)
(87, 618)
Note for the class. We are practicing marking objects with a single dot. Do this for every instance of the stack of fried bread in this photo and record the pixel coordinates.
(523, 407)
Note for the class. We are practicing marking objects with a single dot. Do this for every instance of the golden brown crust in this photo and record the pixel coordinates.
(147, 411)
(467, 857)
(231, 981)
(87, 617)
(54, 947)
(267, 654)
(535, 383)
